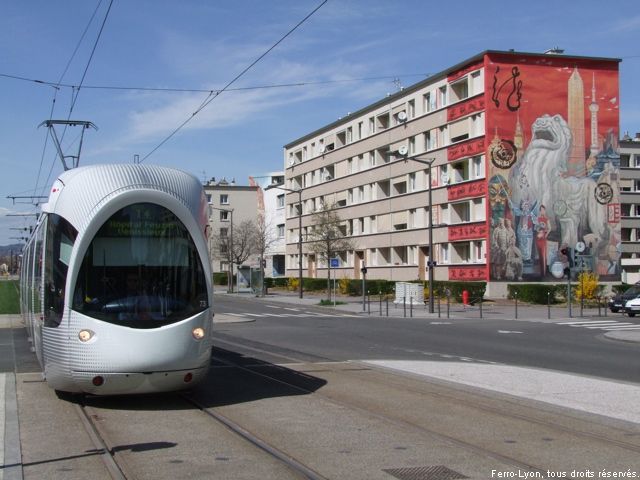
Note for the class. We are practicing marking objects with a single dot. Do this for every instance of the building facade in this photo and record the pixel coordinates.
(522, 156)
(271, 205)
(228, 203)
(630, 198)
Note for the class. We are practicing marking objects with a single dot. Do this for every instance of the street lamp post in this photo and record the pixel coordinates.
(431, 263)
(299, 192)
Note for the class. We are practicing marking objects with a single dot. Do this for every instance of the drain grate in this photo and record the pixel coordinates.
(433, 472)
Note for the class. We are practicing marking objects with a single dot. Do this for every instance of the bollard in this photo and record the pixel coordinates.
(380, 303)
(387, 300)
(480, 308)
(515, 294)
(605, 308)
(548, 305)
(404, 307)
(581, 304)
(438, 306)
(599, 311)
(369, 302)
(411, 307)
(448, 304)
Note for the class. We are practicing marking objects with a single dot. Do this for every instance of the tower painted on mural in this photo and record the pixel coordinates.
(575, 119)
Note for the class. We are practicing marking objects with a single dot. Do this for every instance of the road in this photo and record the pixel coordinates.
(317, 332)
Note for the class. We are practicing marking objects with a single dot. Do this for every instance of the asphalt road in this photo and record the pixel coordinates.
(309, 333)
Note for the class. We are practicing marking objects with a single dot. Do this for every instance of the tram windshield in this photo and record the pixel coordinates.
(142, 270)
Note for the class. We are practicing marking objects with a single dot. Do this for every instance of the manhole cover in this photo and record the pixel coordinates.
(433, 472)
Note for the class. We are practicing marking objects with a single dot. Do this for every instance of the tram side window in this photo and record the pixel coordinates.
(38, 269)
(60, 238)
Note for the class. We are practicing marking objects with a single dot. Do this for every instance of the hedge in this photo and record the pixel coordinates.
(537, 293)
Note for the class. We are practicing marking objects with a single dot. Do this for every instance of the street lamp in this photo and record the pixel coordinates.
(431, 263)
(230, 256)
(299, 192)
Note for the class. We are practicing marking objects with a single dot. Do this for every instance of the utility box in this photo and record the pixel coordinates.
(409, 293)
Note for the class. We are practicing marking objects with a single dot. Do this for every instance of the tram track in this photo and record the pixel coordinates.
(445, 397)
(116, 468)
(119, 470)
(270, 449)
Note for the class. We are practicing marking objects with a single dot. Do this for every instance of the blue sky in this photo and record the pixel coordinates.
(340, 53)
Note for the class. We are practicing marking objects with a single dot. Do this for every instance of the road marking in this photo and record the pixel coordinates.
(272, 306)
(610, 325)
(584, 322)
(508, 331)
(632, 326)
(292, 309)
(291, 315)
(439, 323)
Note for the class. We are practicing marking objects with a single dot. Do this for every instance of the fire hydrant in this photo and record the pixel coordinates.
(465, 297)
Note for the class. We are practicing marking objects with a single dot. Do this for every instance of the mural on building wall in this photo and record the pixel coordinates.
(552, 130)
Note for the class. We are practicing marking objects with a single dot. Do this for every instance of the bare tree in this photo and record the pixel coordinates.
(328, 237)
(236, 246)
(243, 242)
(264, 238)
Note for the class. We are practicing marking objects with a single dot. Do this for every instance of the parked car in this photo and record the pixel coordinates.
(632, 307)
(619, 302)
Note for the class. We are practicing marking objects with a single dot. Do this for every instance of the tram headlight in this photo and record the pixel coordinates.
(198, 333)
(85, 335)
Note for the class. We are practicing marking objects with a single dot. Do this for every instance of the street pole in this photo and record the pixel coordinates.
(430, 265)
(300, 242)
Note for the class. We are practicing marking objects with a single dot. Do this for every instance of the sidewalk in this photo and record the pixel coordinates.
(490, 309)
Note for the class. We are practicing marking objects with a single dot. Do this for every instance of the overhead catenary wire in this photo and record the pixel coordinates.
(56, 86)
(76, 90)
(304, 83)
(212, 96)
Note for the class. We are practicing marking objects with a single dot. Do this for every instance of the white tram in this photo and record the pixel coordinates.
(116, 284)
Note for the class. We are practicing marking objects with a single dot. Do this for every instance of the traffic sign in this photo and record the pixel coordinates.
(334, 262)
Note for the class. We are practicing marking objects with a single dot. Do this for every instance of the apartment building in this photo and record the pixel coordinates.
(630, 208)
(228, 202)
(521, 152)
(271, 204)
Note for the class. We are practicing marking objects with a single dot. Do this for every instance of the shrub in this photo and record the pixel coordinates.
(476, 290)
(220, 278)
(587, 286)
(344, 285)
(293, 284)
(537, 293)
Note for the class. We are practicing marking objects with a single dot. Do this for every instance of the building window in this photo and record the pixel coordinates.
(224, 199)
(442, 96)
(208, 198)
(224, 232)
(281, 230)
(459, 90)
(224, 216)
(280, 201)
(444, 253)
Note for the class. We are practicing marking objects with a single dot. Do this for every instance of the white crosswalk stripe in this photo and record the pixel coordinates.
(609, 325)
(290, 315)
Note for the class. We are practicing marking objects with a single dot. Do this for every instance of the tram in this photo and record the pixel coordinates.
(116, 287)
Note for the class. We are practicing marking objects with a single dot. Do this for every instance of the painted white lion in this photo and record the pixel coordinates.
(540, 176)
